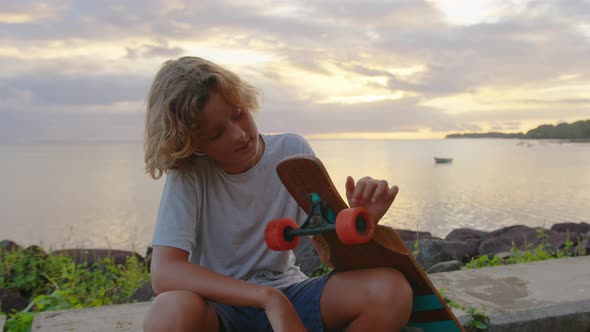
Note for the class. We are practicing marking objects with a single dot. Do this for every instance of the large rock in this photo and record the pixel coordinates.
(445, 267)
(494, 245)
(433, 251)
(143, 293)
(581, 228)
(12, 301)
(7, 245)
(92, 256)
(467, 234)
(35, 251)
(508, 229)
(524, 237)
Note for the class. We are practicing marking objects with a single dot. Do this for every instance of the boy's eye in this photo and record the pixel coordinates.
(216, 135)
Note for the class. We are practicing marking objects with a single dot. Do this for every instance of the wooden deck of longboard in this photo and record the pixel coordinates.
(303, 175)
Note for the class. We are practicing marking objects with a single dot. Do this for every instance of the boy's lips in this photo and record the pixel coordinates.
(245, 146)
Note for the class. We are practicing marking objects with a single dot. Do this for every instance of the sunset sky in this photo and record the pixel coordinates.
(80, 70)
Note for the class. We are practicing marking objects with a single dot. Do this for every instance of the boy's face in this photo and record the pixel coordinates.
(229, 136)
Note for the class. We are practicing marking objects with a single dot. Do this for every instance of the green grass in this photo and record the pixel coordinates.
(57, 283)
(479, 318)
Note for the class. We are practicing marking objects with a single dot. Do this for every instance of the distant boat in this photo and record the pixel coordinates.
(442, 160)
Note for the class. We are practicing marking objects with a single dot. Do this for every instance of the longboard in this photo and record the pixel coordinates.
(307, 180)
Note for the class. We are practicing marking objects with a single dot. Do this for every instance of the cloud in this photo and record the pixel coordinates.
(78, 56)
(154, 51)
(54, 88)
(383, 116)
(64, 125)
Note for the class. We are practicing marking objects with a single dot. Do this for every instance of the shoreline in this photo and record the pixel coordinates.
(407, 235)
(462, 246)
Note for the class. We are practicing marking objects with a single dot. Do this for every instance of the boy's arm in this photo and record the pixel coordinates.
(322, 249)
(171, 270)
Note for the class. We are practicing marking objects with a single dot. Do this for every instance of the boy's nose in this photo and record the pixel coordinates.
(237, 132)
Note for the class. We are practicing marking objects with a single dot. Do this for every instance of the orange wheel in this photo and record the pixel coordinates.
(274, 234)
(354, 226)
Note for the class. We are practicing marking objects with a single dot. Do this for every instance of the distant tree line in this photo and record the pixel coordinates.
(579, 130)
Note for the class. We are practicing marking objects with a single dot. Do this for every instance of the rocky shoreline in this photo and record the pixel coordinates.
(462, 245)
(434, 254)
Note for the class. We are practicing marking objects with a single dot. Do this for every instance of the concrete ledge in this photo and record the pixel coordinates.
(2, 321)
(123, 317)
(543, 296)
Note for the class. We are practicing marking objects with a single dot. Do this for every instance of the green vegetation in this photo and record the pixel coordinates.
(579, 130)
(323, 269)
(479, 317)
(58, 283)
(541, 252)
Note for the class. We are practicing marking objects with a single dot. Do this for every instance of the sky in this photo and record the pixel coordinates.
(80, 70)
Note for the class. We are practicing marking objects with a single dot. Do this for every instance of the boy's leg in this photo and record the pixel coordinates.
(180, 311)
(305, 297)
(366, 300)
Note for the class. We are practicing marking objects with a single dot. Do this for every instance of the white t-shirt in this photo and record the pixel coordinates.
(219, 218)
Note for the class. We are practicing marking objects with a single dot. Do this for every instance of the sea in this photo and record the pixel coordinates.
(97, 195)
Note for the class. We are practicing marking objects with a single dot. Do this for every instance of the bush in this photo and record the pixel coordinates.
(541, 252)
(58, 283)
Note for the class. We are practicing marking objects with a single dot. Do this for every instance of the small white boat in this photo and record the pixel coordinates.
(442, 160)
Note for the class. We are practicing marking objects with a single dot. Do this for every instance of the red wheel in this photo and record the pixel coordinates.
(274, 234)
(354, 226)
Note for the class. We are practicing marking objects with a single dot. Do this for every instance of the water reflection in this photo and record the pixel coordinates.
(97, 195)
(489, 184)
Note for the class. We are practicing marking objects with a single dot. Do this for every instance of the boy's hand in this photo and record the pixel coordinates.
(375, 195)
(281, 314)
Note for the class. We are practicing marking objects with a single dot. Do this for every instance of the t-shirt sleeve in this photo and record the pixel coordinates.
(300, 145)
(177, 216)
(307, 148)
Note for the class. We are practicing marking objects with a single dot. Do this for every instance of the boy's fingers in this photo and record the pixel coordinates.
(358, 190)
(368, 192)
(382, 188)
(393, 191)
(368, 189)
(349, 186)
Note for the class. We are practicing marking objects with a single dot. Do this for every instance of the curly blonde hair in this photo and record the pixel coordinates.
(178, 93)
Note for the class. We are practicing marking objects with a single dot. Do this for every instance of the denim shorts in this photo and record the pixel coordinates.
(305, 297)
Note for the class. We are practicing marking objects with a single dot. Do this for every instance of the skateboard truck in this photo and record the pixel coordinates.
(320, 219)
(352, 225)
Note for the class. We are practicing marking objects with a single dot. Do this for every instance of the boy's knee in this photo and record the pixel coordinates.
(393, 287)
(394, 294)
(174, 311)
